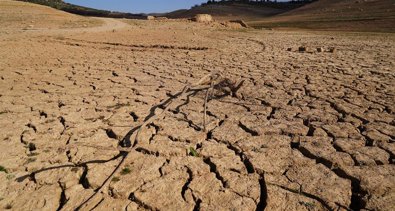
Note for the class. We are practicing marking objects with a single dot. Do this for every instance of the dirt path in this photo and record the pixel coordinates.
(107, 24)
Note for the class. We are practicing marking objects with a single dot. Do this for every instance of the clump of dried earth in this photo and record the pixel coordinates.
(309, 131)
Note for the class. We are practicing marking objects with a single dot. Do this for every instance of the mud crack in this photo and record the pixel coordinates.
(213, 169)
(263, 197)
(63, 200)
(186, 185)
(83, 179)
(140, 203)
(358, 194)
(247, 163)
(248, 130)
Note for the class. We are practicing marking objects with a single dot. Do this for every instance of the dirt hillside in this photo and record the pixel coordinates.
(231, 11)
(343, 15)
(108, 114)
(347, 15)
(17, 15)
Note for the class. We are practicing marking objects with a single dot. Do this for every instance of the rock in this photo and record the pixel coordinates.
(289, 49)
(320, 49)
(203, 18)
(150, 17)
(332, 49)
(302, 49)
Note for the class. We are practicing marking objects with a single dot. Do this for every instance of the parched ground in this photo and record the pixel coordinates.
(307, 131)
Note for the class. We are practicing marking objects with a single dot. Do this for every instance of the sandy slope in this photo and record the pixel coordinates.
(306, 131)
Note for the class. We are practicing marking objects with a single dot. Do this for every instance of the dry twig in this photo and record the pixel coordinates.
(209, 82)
(135, 136)
(205, 106)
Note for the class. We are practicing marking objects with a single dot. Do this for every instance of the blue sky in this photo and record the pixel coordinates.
(138, 6)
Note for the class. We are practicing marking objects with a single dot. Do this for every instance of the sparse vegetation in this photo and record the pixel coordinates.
(193, 152)
(307, 204)
(10, 176)
(2, 168)
(31, 160)
(115, 179)
(125, 171)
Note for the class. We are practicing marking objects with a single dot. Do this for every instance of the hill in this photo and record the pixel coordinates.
(355, 15)
(344, 15)
(232, 10)
(86, 11)
(17, 15)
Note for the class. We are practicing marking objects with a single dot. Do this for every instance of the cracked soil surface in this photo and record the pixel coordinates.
(307, 131)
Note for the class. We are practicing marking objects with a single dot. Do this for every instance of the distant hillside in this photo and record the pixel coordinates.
(349, 15)
(344, 15)
(237, 10)
(75, 9)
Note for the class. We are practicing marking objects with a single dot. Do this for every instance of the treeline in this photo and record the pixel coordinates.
(260, 1)
(264, 3)
(85, 11)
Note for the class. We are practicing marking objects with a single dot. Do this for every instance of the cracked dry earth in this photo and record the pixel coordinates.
(309, 131)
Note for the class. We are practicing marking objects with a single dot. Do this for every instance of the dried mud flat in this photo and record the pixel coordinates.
(308, 131)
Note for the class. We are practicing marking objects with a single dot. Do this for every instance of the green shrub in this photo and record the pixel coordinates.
(2, 168)
(193, 152)
(126, 171)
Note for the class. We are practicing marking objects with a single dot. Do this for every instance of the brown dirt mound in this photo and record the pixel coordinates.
(203, 18)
